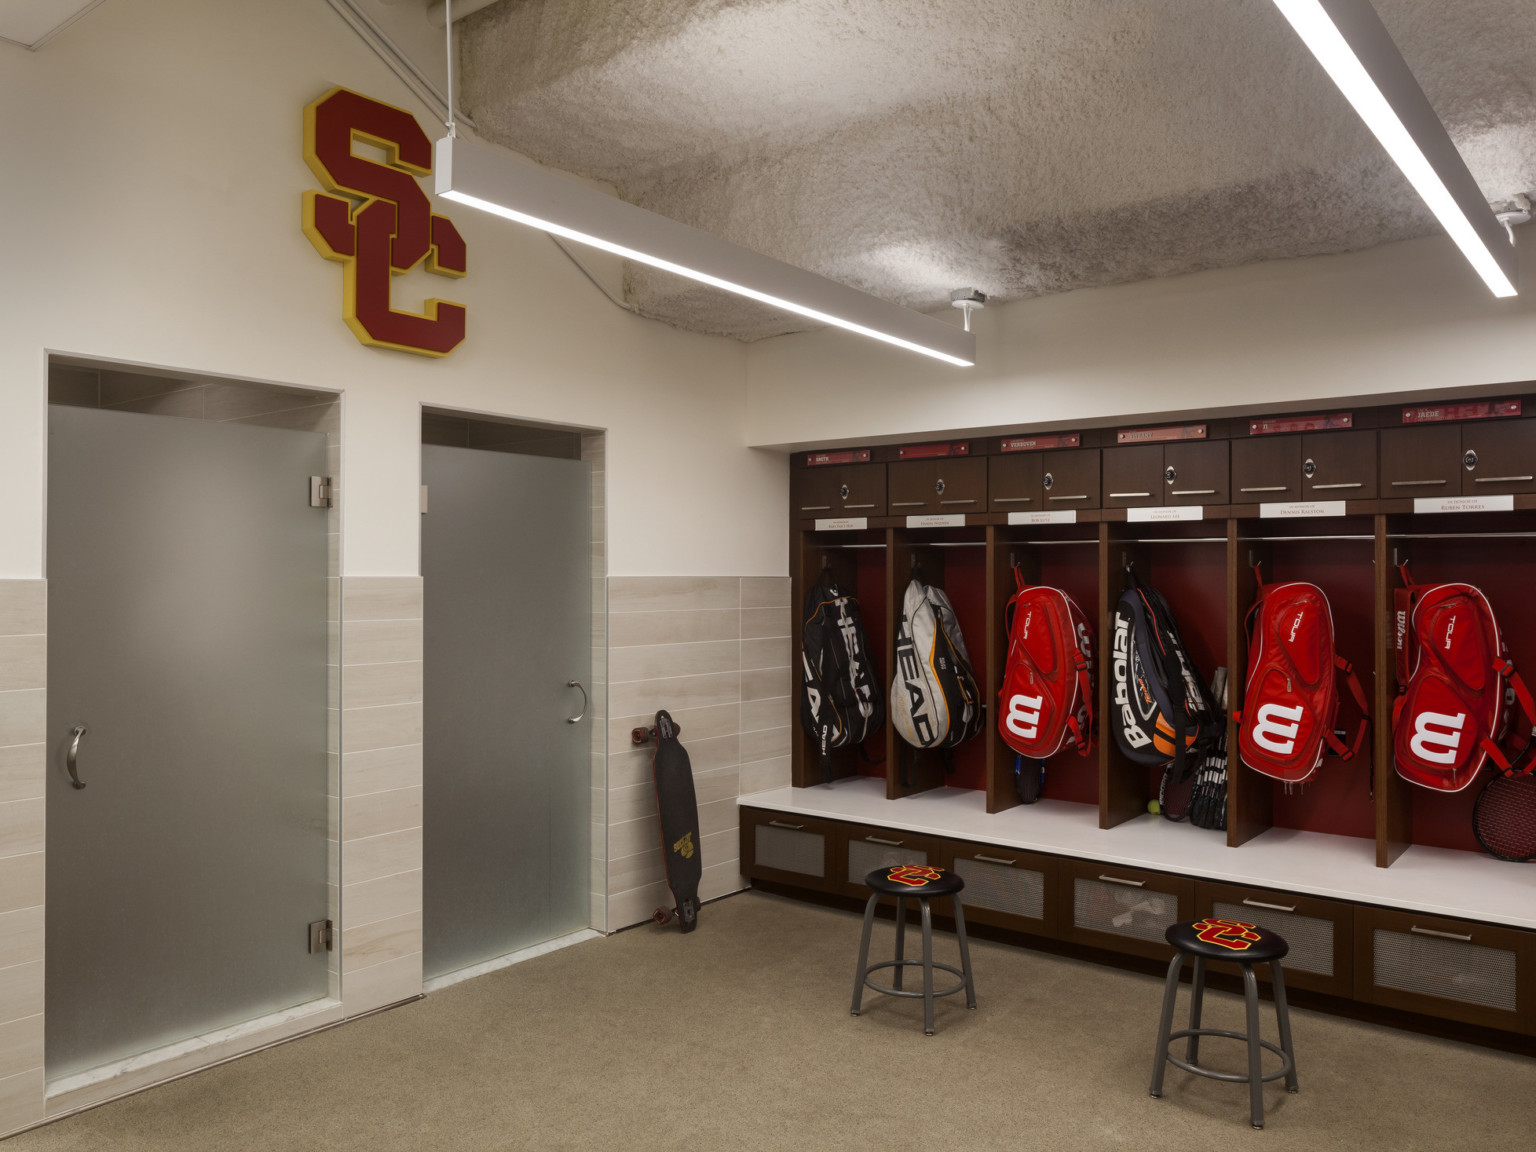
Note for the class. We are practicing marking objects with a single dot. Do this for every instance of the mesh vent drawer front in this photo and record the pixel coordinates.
(1002, 888)
(790, 851)
(864, 857)
(1121, 910)
(1448, 969)
(1311, 939)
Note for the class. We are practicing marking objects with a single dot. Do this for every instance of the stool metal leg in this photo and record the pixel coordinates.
(1165, 1024)
(965, 953)
(1255, 1052)
(858, 978)
(1283, 1016)
(927, 967)
(901, 939)
(1196, 1006)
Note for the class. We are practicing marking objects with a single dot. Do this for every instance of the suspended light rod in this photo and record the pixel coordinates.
(517, 189)
(1354, 47)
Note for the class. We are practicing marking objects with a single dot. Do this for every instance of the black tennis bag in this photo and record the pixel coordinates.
(1160, 709)
(841, 701)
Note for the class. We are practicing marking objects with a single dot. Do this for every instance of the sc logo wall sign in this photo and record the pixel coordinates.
(391, 231)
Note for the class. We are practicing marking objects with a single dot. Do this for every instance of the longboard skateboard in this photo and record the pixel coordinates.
(679, 824)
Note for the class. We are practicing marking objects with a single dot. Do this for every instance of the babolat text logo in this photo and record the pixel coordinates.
(382, 223)
(1120, 670)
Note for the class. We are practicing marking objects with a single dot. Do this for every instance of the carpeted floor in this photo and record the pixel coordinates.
(738, 1037)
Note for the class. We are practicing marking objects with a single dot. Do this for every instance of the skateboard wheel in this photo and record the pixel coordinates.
(639, 735)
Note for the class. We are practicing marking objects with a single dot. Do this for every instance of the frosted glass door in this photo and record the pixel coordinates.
(506, 560)
(187, 635)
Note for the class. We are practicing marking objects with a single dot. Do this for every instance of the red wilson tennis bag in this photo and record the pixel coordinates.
(1046, 702)
(1292, 697)
(1454, 707)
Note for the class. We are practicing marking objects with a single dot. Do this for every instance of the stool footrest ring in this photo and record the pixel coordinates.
(1229, 1077)
(870, 983)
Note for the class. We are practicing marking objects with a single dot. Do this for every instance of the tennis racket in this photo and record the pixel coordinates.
(1174, 794)
(1028, 779)
(1504, 819)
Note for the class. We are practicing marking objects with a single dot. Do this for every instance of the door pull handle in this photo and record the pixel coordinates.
(71, 760)
(585, 701)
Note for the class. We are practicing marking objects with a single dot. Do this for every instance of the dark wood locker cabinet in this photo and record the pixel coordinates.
(1133, 476)
(860, 849)
(1013, 482)
(1122, 909)
(1454, 969)
(1498, 457)
(1007, 888)
(1423, 460)
(837, 490)
(1321, 933)
(1266, 469)
(1339, 465)
(1196, 472)
(1070, 479)
(947, 485)
(789, 849)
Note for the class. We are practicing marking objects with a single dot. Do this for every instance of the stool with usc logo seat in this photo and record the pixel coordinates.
(921, 883)
(1246, 945)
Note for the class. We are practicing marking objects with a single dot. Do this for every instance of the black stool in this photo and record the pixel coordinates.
(1245, 945)
(919, 882)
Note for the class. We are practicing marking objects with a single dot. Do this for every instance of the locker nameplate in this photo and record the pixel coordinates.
(1300, 424)
(852, 456)
(1480, 410)
(1067, 517)
(843, 524)
(942, 520)
(1301, 509)
(1464, 504)
(1153, 435)
(1159, 515)
(1040, 443)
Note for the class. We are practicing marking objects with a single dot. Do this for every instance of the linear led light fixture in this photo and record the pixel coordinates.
(520, 190)
(1354, 47)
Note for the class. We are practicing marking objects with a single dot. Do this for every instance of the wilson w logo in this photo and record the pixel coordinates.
(1438, 744)
(1024, 716)
(1275, 728)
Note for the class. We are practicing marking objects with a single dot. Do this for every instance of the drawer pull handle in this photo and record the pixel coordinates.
(1271, 907)
(887, 843)
(1082, 497)
(1417, 931)
(848, 507)
(1415, 483)
(1196, 492)
(815, 507)
(957, 501)
(1272, 488)
(1352, 484)
(782, 824)
(1501, 479)
(1127, 495)
(1012, 499)
(908, 503)
(995, 860)
(1119, 880)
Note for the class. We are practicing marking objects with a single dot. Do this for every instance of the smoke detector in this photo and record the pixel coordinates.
(970, 300)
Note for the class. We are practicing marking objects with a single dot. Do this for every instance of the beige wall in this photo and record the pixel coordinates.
(714, 652)
(1290, 334)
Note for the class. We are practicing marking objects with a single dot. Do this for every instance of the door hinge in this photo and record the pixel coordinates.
(320, 491)
(321, 937)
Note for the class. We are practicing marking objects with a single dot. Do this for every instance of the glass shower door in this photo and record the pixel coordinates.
(187, 647)
(506, 563)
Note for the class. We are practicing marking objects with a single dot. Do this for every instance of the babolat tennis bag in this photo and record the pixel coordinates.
(1046, 702)
(1161, 711)
(935, 701)
(1292, 696)
(1458, 687)
(840, 702)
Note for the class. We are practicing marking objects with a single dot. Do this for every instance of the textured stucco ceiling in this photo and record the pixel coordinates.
(909, 147)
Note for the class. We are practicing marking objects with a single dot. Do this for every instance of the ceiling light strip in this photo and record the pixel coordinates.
(1354, 47)
(517, 189)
